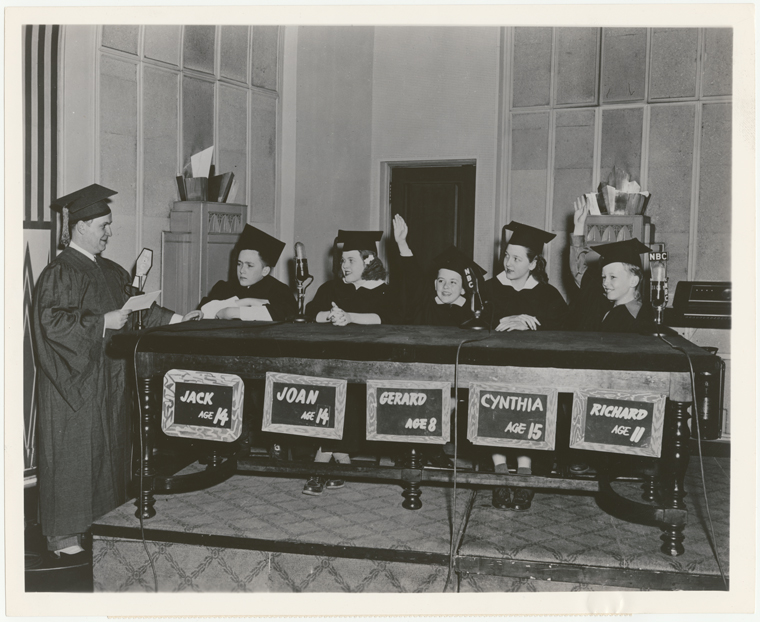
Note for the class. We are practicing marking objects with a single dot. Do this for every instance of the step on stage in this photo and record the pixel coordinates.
(261, 534)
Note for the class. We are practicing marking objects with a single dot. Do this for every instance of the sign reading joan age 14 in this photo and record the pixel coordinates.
(618, 422)
(202, 405)
(512, 416)
(408, 411)
(304, 405)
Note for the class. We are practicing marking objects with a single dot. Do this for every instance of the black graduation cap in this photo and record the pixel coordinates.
(269, 247)
(627, 251)
(86, 203)
(359, 240)
(454, 259)
(82, 204)
(527, 236)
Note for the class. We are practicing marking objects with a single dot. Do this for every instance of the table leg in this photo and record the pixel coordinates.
(412, 490)
(145, 500)
(675, 459)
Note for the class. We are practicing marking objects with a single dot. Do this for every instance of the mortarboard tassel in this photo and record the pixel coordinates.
(65, 235)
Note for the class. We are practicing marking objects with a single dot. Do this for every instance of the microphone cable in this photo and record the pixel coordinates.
(695, 423)
(457, 534)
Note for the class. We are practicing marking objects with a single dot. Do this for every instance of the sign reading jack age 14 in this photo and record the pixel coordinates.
(512, 416)
(408, 411)
(202, 405)
(618, 422)
(304, 405)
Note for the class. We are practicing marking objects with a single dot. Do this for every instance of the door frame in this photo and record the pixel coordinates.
(385, 179)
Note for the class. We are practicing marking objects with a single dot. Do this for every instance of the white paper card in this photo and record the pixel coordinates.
(144, 301)
(255, 314)
(201, 162)
(212, 307)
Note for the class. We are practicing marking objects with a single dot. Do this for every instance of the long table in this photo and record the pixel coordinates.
(566, 360)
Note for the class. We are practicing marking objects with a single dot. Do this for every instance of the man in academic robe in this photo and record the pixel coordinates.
(83, 398)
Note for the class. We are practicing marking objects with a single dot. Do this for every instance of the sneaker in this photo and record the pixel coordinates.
(332, 484)
(501, 498)
(314, 486)
(522, 499)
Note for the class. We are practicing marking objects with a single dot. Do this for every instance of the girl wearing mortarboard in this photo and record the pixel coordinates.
(454, 281)
(254, 288)
(357, 295)
(520, 298)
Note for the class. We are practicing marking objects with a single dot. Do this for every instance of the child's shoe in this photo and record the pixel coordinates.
(314, 486)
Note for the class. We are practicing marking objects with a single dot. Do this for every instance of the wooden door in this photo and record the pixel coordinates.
(438, 204)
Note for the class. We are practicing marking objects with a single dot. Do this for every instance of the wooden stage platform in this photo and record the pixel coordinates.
(260, 533)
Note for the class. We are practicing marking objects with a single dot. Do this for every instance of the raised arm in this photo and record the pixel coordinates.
(578, 248)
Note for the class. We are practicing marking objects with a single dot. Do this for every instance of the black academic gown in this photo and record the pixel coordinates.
(354, 300)
(543, 302)
(418, 300)
(84, 405)
(282, 304)
(592, 311)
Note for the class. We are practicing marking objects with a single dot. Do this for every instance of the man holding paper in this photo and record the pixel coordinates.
(84, 415)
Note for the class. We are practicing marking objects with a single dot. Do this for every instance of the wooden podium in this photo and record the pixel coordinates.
(195, 252)
(612, 228)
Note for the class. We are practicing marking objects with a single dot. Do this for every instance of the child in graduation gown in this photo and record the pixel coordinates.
(447, 302)
(255, 294)
(357, 295)
(520, 298)
(609, 300)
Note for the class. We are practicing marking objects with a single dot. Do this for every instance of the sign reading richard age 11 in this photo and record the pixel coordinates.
(512, 416)
(618, 422)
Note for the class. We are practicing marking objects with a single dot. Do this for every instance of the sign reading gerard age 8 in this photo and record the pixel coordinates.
(618, 422)
(202, 405)
(304, 405)
(408, 411)
(512, 416)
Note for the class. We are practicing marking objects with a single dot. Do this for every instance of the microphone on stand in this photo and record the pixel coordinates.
(142, 266)
(476, 304)
(658, 288)
(303, 280)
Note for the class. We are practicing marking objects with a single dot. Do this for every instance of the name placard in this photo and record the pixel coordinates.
(202, 405)
(304, 405)
(512, 416)
(408, 411)
(618, 422)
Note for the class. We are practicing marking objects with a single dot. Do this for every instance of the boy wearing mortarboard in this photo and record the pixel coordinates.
(84, 414)
(257, 254)
(454, 278)
(610, 299)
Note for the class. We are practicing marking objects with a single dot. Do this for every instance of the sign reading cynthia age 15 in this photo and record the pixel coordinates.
(202, 405)
(512, 416)
(618, 422)
(304, 405)
(408, 411)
